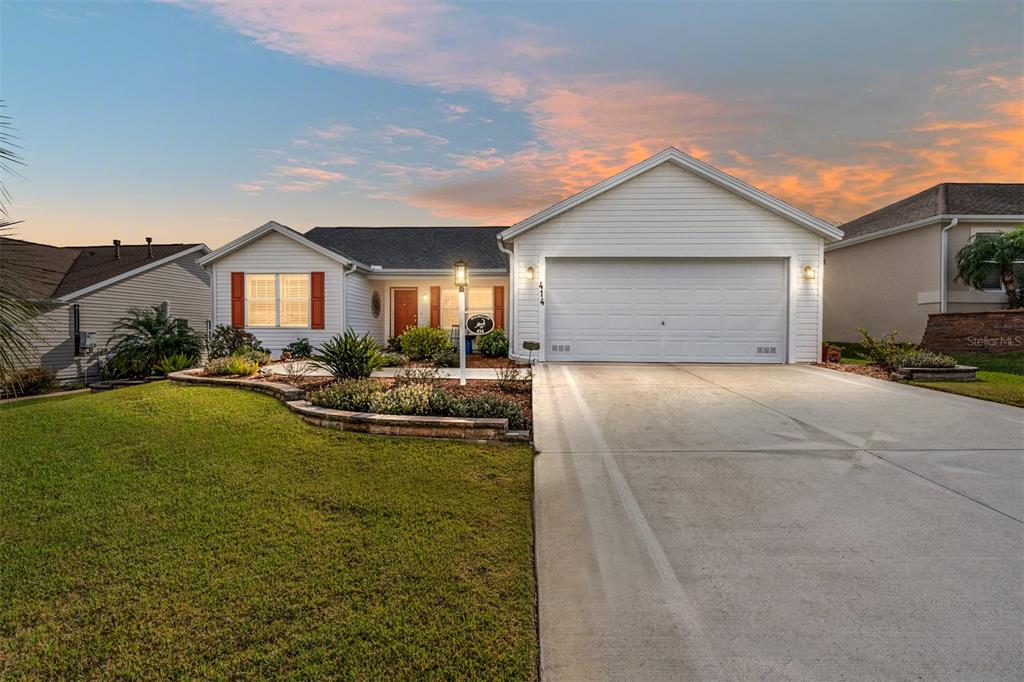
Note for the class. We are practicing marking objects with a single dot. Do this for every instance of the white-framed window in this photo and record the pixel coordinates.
(293, 299)
(478, 300)
(449, 308)
(277, 299)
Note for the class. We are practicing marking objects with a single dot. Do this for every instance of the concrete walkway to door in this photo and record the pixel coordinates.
(774, 522)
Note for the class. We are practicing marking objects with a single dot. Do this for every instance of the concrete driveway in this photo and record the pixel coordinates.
(774, 522)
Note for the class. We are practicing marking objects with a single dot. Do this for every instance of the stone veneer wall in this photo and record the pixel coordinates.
(996, 331)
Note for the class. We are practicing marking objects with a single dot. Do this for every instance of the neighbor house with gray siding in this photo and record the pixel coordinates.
(87, 289)
(670, 260)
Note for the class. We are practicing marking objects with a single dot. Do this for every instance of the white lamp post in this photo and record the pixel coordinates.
(461, 280)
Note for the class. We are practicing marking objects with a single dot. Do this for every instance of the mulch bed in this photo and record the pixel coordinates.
(873, 371)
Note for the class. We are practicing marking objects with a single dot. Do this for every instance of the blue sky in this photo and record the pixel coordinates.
(196, 121)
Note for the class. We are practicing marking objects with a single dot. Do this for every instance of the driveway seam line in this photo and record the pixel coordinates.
(942, 485)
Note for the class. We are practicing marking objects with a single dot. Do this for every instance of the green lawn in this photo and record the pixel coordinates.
(1000, 378)
(172, 531)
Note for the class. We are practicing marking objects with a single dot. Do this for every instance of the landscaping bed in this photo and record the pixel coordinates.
(999, 377)
(173, 532)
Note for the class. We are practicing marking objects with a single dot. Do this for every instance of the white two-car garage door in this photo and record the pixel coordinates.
(666, 309)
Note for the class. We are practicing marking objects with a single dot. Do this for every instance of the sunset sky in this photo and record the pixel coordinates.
(197, 121)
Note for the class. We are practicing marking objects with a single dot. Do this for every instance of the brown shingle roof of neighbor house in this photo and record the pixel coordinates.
(948, 198)
(41, 271)
(415, 248)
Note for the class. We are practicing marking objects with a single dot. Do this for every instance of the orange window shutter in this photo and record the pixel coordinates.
(316, 296)
(435, 306)
(499, 307)
(237, 299)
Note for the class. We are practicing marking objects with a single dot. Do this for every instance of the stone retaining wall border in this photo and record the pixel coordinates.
(459, 428)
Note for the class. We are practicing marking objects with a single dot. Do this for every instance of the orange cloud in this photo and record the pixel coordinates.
(587, 127)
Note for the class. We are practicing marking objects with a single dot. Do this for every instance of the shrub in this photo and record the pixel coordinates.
(236, 365)
(260, 357)
(176, 363)
(242, 366)
(145, 337)
(413, 399)
(30, 381)
(354, 395)
(350, 356)
(494, 344)
(395, 360)
(300, 348)
(885, 351)
(448, 357)
(507, 376)
(923, 359)
(492, 406)
(226, 341)
(394, 344)
(417, 375)
(421, 343)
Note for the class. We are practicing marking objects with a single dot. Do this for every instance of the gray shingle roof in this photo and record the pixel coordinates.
(41, 271)
(950, 198)
(418, 248)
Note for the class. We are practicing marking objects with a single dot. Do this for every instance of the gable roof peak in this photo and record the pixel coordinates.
(700, 169)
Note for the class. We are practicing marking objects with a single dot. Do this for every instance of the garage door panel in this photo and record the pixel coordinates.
(698, 310)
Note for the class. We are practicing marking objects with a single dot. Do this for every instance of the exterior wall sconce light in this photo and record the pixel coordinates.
(461, 274)
(530, 274)
(810, 272)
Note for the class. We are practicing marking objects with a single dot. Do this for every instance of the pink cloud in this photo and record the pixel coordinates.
(587, 127)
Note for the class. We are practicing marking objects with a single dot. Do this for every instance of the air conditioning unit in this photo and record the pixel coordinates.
(86, 341)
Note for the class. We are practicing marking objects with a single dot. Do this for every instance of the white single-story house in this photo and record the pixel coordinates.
(670, 260)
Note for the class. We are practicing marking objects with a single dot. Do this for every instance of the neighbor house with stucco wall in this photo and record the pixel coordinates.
(897, 265)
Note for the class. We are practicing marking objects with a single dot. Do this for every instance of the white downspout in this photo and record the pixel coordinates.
(511, 324)
(943, 267)
(344, 307)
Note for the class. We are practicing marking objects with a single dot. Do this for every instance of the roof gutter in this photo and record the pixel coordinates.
(344, 308)
(510, 322)
(943, 264)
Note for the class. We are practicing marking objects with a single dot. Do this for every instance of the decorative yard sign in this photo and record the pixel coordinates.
(479, 324)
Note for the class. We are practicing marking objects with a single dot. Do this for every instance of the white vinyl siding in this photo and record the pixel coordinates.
(359, 306)
(183, 284)
(670, 213)
(276, 254)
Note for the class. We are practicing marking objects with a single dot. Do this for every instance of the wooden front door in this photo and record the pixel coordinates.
(405, 311)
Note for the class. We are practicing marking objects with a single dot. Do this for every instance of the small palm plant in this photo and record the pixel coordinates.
(985, 254)
(145, 337)
(350, 356)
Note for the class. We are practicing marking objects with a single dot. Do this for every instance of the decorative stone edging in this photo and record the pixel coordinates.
(282, 392)
(462, 428)
(958, 373)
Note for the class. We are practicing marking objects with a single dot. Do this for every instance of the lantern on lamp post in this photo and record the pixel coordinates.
(461, 281)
